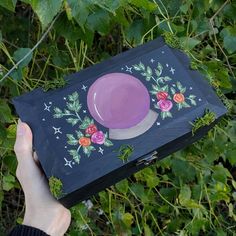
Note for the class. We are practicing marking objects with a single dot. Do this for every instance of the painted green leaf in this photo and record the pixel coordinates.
(72, 121)
(172, 90)
(149, 70)
(72, 142)
(73, 97)
(108, 143)
(71, 137)
(79, 134)
(86, 122)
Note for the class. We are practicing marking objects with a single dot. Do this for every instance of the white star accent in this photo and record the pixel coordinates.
(46, 107)
(84, 87)
(101, 150)
(84, 111)
(122, 68)
(57, 137)
(73, 163)
(43, 119)
(162, 52)
(68, 163)
(167, 65)
(152, 60)
(158, 123)
(190, 88)
(57, 130)
(64, 98)
(173, 85)
(172, 70)
(129, 69)
(65, 146)
(153, 100)
(199, 99)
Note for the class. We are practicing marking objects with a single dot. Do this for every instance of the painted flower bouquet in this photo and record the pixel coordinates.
(87, 135)
(167, 95)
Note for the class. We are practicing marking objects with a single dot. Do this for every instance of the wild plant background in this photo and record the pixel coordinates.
(193, 191)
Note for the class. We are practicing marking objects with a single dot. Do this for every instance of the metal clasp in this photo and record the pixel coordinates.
(148, 160)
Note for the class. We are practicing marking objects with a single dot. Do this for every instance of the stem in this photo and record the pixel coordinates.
(78, 149)
(31, 51)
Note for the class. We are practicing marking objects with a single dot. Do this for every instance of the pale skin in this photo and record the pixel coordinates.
(42, 210)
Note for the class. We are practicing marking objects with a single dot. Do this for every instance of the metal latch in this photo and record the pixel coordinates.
(147, 160)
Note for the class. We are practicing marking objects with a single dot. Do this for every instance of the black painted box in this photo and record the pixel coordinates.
(116, 117)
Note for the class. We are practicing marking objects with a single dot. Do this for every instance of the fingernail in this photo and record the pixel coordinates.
(20, 129)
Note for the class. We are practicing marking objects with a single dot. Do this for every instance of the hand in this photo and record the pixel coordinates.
(42, 211)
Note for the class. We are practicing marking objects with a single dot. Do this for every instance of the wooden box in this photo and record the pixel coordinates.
(116, 117)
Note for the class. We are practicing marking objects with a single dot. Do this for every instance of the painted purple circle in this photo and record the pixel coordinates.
(118, 100)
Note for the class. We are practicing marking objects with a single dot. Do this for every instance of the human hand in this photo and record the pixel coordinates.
(42, 211)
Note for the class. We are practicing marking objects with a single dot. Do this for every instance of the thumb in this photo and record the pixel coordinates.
(23, 144)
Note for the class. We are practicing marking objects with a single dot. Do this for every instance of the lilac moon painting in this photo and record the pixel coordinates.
(121, 103)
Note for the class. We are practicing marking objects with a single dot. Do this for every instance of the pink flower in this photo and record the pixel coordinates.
(98, 137)
(165, 105)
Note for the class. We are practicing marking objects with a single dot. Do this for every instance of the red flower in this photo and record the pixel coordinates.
(91, 129)
(85, 142)
(179, 98)
(162, 95)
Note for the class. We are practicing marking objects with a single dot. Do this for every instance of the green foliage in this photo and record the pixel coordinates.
(124, 152)
(193, 191)
(55, 186)
(207, 119)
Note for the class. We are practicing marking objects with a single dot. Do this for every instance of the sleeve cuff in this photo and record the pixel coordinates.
(24, 230)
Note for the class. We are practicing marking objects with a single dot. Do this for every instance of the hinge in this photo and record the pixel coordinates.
(148, 159)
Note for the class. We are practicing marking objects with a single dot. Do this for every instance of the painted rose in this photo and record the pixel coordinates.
(179, 98)
(162, 95)
(98, 137)
(165, 105)
(85, 142)
(91, 129)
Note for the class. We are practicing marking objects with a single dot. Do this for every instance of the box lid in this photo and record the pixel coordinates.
(143, 98)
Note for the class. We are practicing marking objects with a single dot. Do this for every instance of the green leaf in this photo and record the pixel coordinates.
(8, 4)
(79, 134)
(86, 122)
(8, 182)
(172, 90)
(149, 71)
(229, 36)
(99, 21)
(189, 43)
(127, 218)
(108, 143)
(20, 53)
(185, 194)
(70, 137)
(145, 4)
(72, 121)
(73, 97)
(5, 116)
(80, 11)
(75, 155)
(45, 9)
(87, 150)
